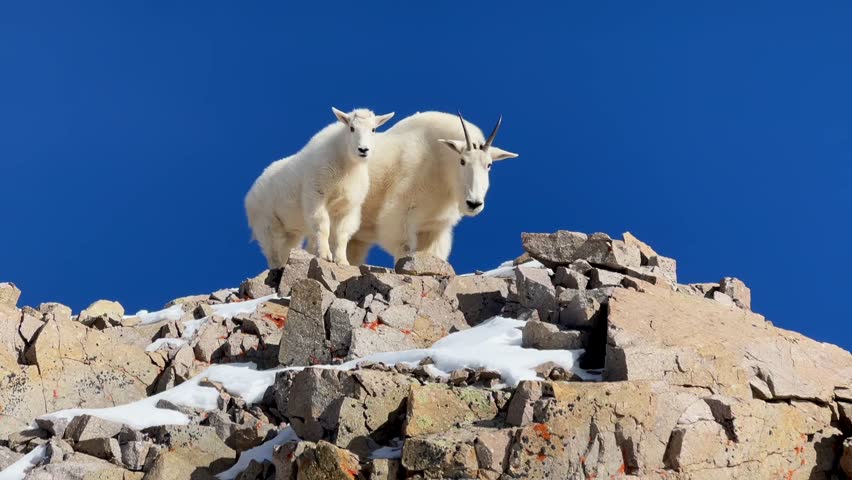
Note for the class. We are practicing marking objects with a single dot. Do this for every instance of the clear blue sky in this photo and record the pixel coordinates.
(719, 132)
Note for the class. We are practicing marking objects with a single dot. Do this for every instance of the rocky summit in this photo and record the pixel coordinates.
(582, 359)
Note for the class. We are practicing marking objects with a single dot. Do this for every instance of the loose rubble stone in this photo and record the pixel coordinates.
(385, 469)
(264, 284)
(8, 457)
(846, 458)
(604, 278)
(331, 275)
(296, 269)
(55, 311)
(327, 462)
(570, 278)
(722, 298)
(553, 249)
(644, 249)
(546, 336)
(105, 309)
(342, 317)
(737, 291)
(31, 322)
(86, 427)
(9, 295)
(359, 410)
(435, 408)
(582, 308)
(79, 466)
(667, 266)
(422, 263)
(304, 338)
(535, 290)
(520, 412)
(191, 450)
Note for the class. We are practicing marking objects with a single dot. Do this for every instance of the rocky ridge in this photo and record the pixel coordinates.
(619, 372)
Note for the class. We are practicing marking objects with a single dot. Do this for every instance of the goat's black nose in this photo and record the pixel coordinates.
(474, 205)
(363, 149)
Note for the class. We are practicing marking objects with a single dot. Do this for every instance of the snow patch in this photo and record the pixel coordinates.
(226, 310)
(494, 345)
(165, 342)
(241, 380)
(507, 269)
(19, 469)
(261, 454)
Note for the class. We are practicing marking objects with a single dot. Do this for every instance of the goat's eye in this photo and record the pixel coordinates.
(374, 130)
(351, 129)
(462, 162)
(488, 167)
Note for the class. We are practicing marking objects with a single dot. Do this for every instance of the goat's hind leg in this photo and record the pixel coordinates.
(356, 251)
(281, 242)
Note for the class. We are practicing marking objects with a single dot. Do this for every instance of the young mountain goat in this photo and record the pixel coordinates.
(423, 179)
(317, 192)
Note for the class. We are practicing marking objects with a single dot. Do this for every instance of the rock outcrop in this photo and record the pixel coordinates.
(622, 372)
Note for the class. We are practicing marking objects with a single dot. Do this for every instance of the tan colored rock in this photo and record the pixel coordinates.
(422, 263)
(55, 311)
(478, 297)
(846, 458)
(553, 249)
(546, 336)
(331, 275)
(304, 340)
(435, 408)
(192, 451)
(737, 290)
(644, 248)
(471, 452)
(685, 340)
(9, 295)
(74, 366)
(83, 467)
(327, 462)
(101, 308)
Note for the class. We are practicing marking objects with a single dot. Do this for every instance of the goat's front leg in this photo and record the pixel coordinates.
(437, 242)
(342, 232)
(320, 224)
(409, 234)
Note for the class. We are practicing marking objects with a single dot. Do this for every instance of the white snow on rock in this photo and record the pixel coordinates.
(391, 453)
(237, 379)
(261, 454)
(165, 342)
(171, 314)
(494, 345)
(507, 269)
(19, 469)
(226, 310)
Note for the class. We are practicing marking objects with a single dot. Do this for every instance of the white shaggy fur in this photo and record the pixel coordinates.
(423, 179)
(317, 192)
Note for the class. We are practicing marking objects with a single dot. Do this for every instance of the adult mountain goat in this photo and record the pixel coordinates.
(430, 169)
(317, 192)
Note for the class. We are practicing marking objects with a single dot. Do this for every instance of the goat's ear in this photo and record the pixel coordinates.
(500, 154)
(458, 146)
(381, 119)
(342, 116)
